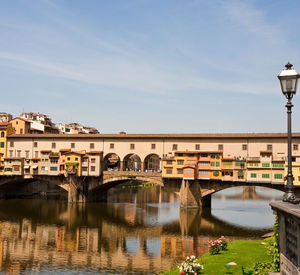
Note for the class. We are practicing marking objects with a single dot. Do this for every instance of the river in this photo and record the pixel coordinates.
(138, 231)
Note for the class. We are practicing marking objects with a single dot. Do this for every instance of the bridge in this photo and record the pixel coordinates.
(193, 193)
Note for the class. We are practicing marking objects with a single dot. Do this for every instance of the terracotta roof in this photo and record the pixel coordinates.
(198, 152)
(45, 151)
(21, 119)
(4, 123)
(65, 150)
(266, 151)
(36, 129)
(158, 136)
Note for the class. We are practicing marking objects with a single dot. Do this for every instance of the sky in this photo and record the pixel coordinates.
(150, 66)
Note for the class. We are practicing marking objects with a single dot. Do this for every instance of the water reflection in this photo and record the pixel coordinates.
(141, 231)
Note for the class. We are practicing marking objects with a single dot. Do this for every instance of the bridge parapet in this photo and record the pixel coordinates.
(109, 176)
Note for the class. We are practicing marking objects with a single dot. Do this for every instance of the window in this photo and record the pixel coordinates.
(76, 159)
(212, 164)
(203, 163)
(179, 171)
(217, 164)
(2, 144)
(11, 144)
(278, 176)
(27, 154)
(72, 145)
(278, 165)
(265, 176)
(69, 158)
(132, 146)
(21, 131)
(16, 168)
(180, 162)
(269, 147)
(174, 147)
(216, 173)
(35, 144)
(169, 171)
(93, 168)
(112, 146)
(84, 169)
(11, 153)
(93, 160)
(53, 145)
(295, 147)
(253, 175)
(53, 168)
(92, 145)
(253, 164)
(2, 134)
(244, 147)
(265, 164)
(203, 172)
(197, 146)
(204, 155)
(220, 147)
(53, 161)
(153, 146)
(169, 162)
(227, 163)
(189, 171)
(19, 153)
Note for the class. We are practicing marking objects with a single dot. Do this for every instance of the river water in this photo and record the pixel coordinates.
(138, 231)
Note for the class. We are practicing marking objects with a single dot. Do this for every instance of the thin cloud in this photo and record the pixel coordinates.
(124, 75)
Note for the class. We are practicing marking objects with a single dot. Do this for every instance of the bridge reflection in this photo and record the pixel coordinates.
(121, 237)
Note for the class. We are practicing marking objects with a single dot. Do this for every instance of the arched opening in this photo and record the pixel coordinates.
(111, 162)
(152, 163)
(132, 162)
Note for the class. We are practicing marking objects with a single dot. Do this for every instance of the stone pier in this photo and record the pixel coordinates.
(78, 189)
(190, 194)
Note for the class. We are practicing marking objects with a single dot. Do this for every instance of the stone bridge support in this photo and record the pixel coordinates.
(190, 194)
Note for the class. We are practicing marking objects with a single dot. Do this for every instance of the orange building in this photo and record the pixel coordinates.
(20, 125)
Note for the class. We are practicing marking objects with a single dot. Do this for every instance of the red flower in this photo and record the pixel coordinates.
(182, 273)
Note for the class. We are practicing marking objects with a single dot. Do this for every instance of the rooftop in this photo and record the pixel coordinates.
(158, 136)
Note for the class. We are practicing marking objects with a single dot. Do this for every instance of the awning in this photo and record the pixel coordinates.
(34, 167)
(26, 166)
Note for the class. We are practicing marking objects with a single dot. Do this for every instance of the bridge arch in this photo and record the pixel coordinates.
(132, 162)
(152, 163)
(210, 188)
(112, 162)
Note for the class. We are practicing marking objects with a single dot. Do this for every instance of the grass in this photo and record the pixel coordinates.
(244, 253)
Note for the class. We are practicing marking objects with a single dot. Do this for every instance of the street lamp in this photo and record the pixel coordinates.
(288, 81)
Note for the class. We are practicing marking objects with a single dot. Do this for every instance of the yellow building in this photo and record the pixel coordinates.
(73, 163)
(295, 170)
(5, 130)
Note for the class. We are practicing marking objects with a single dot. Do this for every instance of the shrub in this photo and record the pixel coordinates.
(190, 266)
(217, 245)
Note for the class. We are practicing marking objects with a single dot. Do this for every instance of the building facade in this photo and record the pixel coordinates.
(227, 157)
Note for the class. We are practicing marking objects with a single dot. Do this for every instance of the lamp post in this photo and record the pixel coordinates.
(288, 81)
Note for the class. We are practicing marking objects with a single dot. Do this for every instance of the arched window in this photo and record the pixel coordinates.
(2, 134)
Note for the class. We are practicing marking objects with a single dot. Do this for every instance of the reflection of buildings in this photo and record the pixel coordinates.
(125, 237)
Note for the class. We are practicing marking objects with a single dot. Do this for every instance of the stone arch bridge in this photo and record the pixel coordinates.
(193, 193)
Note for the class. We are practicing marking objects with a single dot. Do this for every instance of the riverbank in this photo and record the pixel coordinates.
(244, 253)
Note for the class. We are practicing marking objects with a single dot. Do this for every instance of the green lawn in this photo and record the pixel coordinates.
(244, 253)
